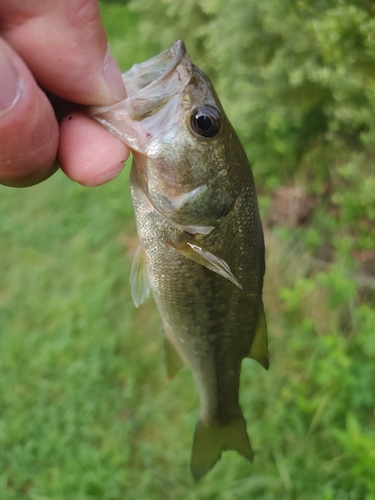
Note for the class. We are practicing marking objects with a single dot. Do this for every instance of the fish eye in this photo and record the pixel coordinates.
(205, 121)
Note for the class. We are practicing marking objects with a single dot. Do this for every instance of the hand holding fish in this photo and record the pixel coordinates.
(60, 47)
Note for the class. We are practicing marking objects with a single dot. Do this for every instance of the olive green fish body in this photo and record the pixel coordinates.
(201, 240)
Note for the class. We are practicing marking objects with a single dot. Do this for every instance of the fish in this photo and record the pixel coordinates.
(201, 246)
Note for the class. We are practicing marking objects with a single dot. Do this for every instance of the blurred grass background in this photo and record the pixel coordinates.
(85, 409)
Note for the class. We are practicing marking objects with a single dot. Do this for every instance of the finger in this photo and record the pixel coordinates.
(65, 46)
(88, 154)
(28, 127)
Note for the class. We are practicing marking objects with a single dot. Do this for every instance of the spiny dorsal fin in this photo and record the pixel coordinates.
(196, 252)
(259, 347)
(140, 285)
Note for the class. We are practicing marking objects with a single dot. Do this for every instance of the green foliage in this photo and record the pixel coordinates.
(85, 410)
(294, 75)
(336, 389)
(297, 80)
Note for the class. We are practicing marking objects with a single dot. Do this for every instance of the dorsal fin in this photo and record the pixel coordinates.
(259, 347)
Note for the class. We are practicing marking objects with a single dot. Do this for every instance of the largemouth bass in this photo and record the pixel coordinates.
(201, 242)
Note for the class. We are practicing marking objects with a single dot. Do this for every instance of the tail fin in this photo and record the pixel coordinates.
(213, 438)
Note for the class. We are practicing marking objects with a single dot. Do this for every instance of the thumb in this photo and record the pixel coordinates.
(29, 133)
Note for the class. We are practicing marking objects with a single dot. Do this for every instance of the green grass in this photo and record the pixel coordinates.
(86, 412)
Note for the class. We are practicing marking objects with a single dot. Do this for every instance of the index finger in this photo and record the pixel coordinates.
(65, 46)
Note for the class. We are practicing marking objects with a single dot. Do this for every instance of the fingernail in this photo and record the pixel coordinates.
(10, 84)
(113, 77)
(101, 179)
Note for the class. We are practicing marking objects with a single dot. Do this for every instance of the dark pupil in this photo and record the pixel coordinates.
(204, 122)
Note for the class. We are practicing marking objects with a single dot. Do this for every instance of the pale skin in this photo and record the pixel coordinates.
(54, 51)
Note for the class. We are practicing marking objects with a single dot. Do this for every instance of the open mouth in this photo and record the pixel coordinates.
(155, 72)
(153, 98)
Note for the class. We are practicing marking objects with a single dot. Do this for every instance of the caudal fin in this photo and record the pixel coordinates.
(211, 439)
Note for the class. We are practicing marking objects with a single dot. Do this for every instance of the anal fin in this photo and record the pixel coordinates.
(173, 360)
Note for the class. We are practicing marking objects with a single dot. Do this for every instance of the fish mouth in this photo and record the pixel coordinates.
(152, 74)
(153, 98)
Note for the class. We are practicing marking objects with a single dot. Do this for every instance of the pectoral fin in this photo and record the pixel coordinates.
(140, 285)
(259, 347)
(195, 251)
(173, 360)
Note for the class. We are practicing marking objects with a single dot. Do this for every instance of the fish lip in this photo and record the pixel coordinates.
(139, 78)
(140, 87)
(154, 90)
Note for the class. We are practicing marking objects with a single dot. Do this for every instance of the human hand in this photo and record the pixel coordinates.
(60, 47)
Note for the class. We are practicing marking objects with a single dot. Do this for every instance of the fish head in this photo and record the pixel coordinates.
(176, 128)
